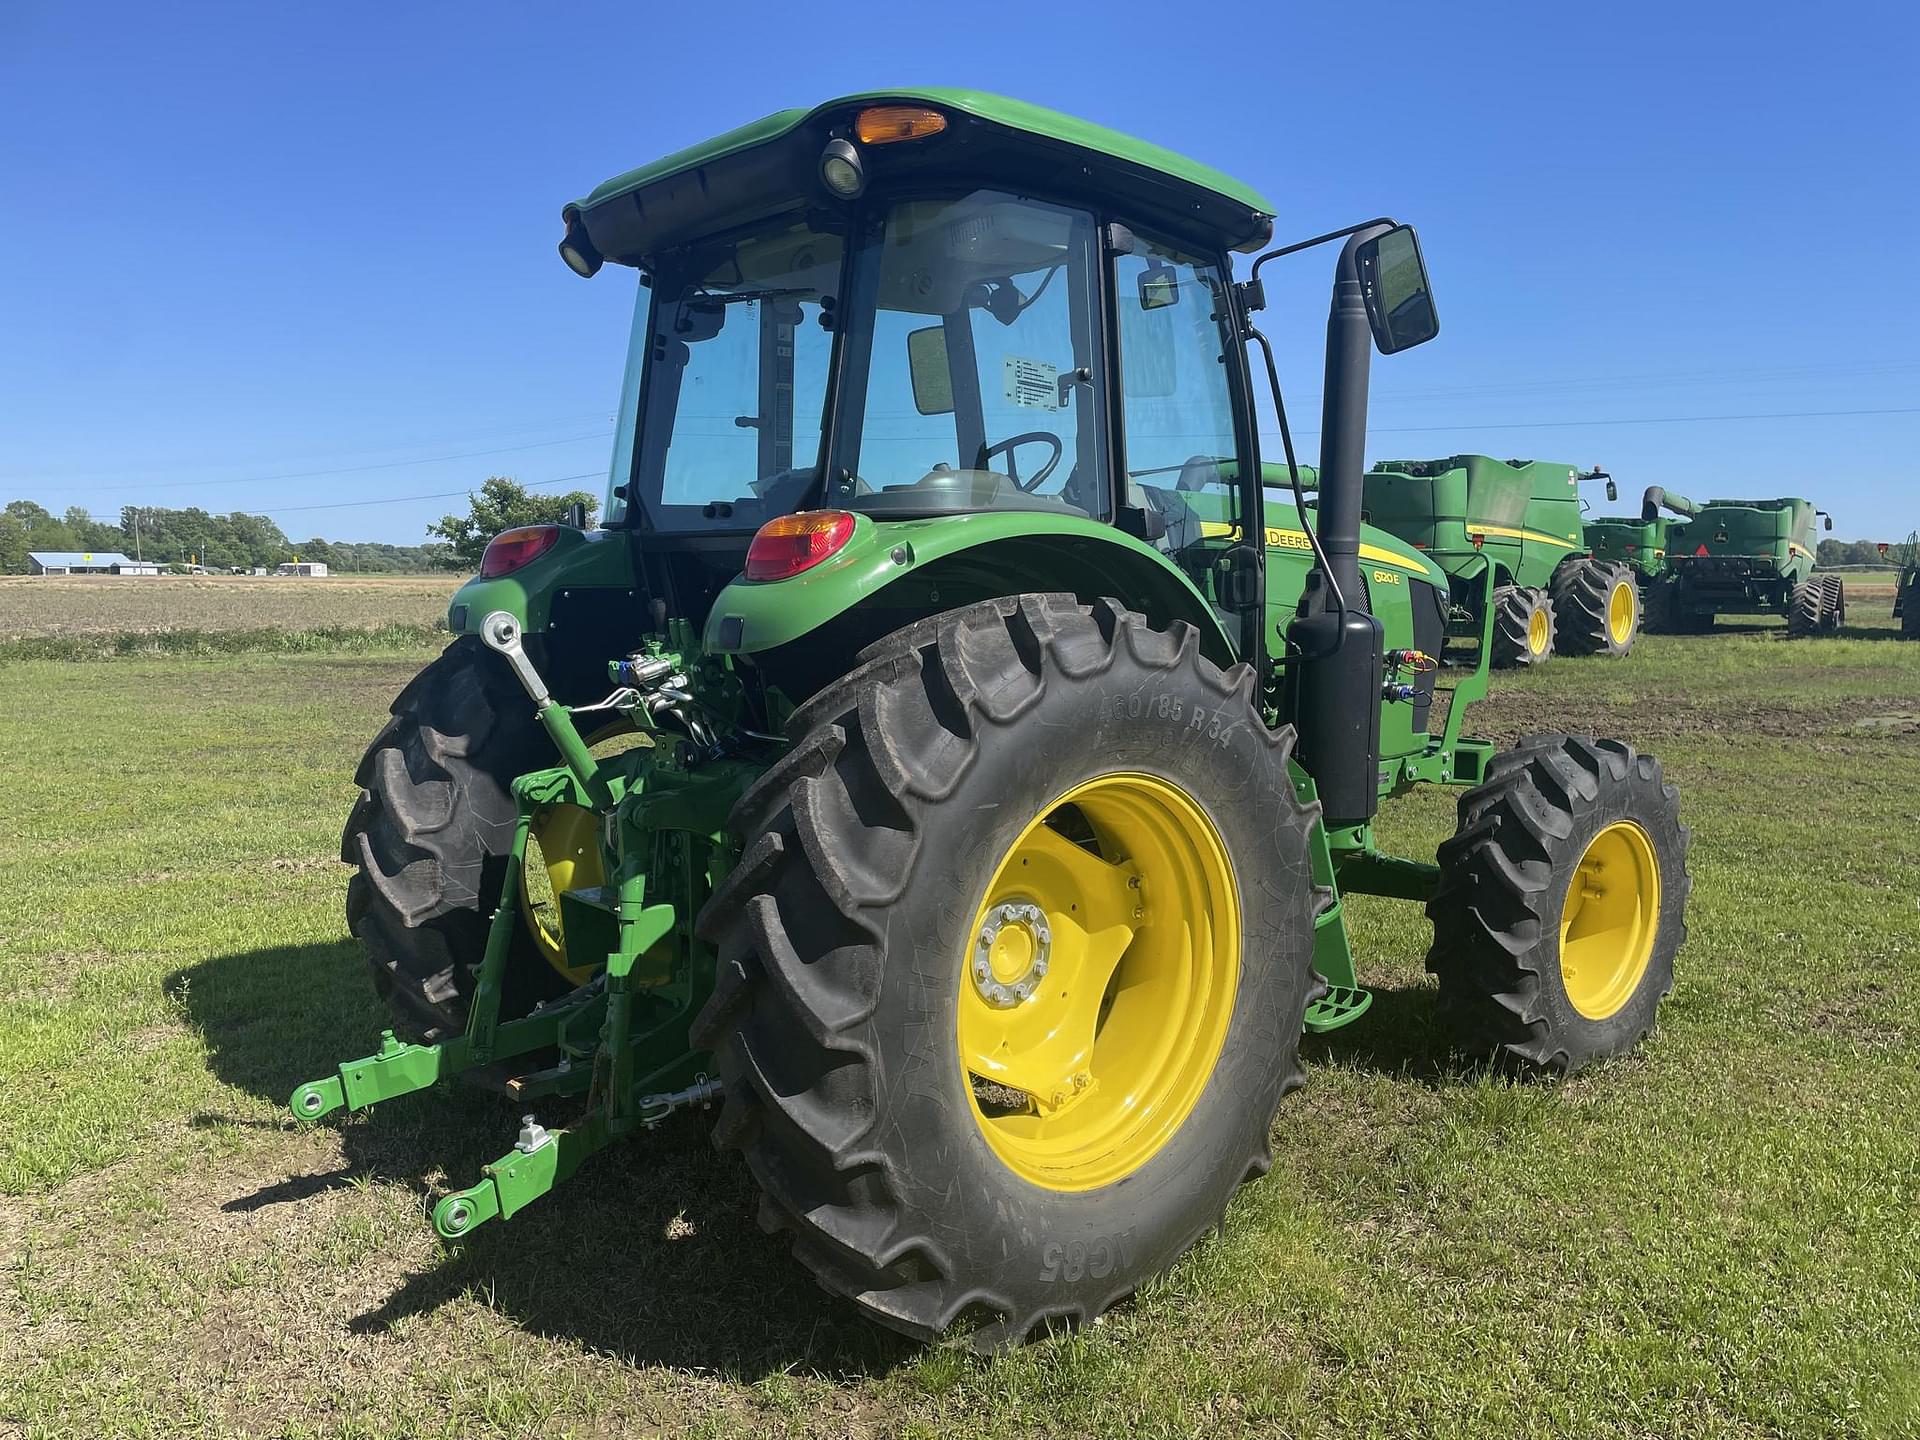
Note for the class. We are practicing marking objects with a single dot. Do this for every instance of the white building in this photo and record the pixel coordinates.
(86, 562)
(315, 568)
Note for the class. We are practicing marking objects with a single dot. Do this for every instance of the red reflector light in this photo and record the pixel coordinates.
(1702, 550)
(785, 546)
(510, 550)
(1478, 541)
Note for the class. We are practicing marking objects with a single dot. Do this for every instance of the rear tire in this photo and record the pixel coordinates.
(1834, 602)
(1806, 608)
(1522, 627)
(847, 962)
(429, 837)
(1596, 607)
(1558, 811)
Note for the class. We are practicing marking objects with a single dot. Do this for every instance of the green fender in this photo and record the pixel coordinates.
(579, 560)
(909, 568)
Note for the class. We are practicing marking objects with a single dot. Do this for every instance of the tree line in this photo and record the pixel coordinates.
(176, 539)
(1864, 552)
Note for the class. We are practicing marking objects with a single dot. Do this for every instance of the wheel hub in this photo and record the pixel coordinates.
(1011, 953)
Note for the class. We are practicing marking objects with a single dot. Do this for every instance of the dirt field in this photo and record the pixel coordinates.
(55, 606)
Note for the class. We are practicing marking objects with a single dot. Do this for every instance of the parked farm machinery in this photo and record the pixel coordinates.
(1519, 522)
(946, 759)
(1725, 557)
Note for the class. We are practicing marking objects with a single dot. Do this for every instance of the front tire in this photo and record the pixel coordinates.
(1562, 901)
(994, 775)
(1596, 607)
(1522, 626)
(1834, 597)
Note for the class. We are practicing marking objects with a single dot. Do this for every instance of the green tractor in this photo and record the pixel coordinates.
(1520, 522)
(1727, 557)
(945, 758)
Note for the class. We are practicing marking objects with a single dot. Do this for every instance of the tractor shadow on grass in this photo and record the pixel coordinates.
(1403, 1035)
(650, 1254)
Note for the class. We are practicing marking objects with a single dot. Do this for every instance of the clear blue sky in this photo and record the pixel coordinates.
(250, 251)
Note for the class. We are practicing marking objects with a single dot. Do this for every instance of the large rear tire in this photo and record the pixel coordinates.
(1017, 822)
(1522, 626)
(1806, 608)
(428, 838)
(1596, 607)
(1562, 901)
(1833, 613)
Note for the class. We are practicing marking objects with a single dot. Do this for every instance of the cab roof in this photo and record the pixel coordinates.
(770, 164)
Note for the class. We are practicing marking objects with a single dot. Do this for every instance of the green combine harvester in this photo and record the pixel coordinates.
(1906, 589)
(1520, 522)
(946, 759)
(1726, 557)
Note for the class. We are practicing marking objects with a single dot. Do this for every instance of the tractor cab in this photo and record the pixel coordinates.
(911, 308)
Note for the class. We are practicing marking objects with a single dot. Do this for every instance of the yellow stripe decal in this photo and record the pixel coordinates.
(1477, 529)
(1297, 540)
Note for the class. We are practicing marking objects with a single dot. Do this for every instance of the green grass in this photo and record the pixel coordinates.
(1719, 1236)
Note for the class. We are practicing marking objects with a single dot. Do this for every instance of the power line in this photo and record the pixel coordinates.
(357, 469)
(1637, 420)
(403, 499)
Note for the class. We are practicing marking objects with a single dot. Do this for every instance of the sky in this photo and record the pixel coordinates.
(298, 259)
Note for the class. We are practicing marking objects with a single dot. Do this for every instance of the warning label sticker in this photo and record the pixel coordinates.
(1032, 383)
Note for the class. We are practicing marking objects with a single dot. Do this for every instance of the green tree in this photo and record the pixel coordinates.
(501, 505)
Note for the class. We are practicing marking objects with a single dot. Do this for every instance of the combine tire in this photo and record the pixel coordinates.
(1596, 608)
(1561, 903)
(429, 835)
(1910, 608)
(1806, 608)
(1522, 626)
(1834, 602)
(1013, 967)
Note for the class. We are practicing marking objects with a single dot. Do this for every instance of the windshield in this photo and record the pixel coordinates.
(972, 374)
(979, 380)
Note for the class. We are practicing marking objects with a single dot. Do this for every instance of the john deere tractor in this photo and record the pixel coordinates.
(1520, 522)
(945, 760)
(1726, 557)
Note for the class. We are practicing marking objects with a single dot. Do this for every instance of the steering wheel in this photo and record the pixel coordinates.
(1009, 445)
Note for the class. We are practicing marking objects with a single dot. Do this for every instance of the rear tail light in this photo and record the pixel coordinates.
(785, 546)
(512, 550)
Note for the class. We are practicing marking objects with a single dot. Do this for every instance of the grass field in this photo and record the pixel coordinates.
(1719, 1236)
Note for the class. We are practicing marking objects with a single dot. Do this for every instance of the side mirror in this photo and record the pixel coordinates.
(1828, 518)
(932, 376)
(1613, 490)
(1158, 287)
(1393, 278)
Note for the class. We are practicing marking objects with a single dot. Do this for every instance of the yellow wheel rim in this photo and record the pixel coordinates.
(1098, 981)
(1609, 920)
(564, 854)
(1537, 632)
(1622, 606)
(567, 858)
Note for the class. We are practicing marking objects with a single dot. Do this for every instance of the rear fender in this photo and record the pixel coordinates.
(806, 630)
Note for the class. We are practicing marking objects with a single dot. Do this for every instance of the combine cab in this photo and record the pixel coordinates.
(1519, 522)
